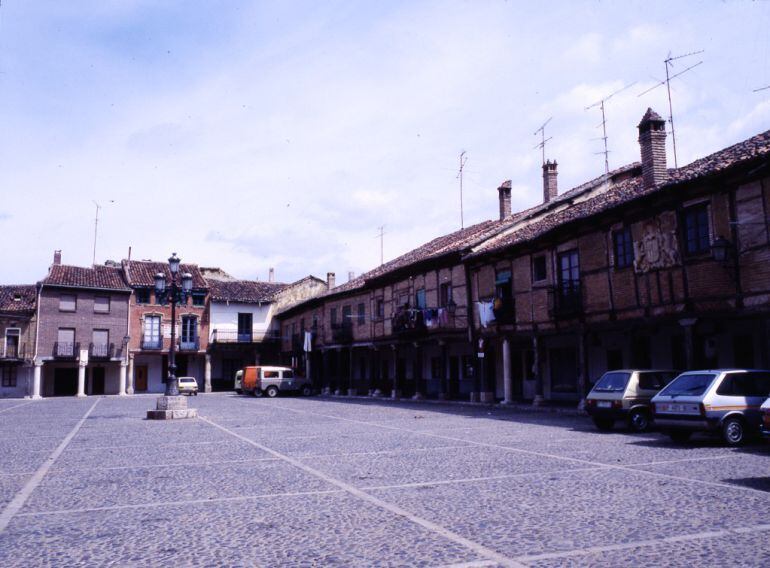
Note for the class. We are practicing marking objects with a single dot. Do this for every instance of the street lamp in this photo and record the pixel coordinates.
(174, 290)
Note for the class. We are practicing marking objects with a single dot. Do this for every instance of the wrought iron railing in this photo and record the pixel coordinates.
(65, 349)
(101, 350)
(152, 343)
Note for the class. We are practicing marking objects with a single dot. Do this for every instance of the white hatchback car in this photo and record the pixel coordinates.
(188, 385)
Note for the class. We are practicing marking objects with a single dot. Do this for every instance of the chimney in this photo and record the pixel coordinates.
(652, 142)
(550, 188)
(505, 199)
(351, 275)
(330, 280)
(271, 275)
(57, 257)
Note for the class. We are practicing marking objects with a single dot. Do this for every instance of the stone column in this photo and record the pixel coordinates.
(130, 387)
(443, 393)
(507, 379)
(582, 370)
(538, 400)
(122, 379)
(82, 378)
(338, 388)
(396, 392)
(419, 383)
(37, 379)
(207, 374)
(352, 391)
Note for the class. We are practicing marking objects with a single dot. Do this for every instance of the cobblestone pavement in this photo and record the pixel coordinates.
(324, 482)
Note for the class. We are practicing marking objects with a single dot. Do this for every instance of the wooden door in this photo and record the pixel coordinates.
(140, 378)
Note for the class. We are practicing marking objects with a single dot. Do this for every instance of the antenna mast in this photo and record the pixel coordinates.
(381, 236)
(543, 139)
(761, 89)
(96, 225)
(668, 62)
(463, 160)
(600, 104)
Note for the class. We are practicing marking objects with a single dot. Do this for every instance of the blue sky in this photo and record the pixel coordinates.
(255, 134)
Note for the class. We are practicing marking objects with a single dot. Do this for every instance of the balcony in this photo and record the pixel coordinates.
(152, 343)
(342, 332)
(101, 350)
(14, 352)
(566, 302)
(66, 350)
(189, 344)
(233, 336)
(419, 321)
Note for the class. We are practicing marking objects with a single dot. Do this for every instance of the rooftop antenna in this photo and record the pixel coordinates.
(669, 64)
(463, 161)
(543, 139)
(761, 89)
(381, 236)
(96, 227)
(603, 124)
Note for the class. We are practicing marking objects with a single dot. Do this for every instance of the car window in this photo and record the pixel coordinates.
(650, 381)
(270, 374)
(694, 384)
(288, 374)
(759, 384)
(612, 382)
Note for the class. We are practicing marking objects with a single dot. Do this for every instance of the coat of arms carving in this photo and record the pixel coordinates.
(656, 247)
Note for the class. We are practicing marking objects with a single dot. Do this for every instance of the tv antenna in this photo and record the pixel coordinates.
(463, 161)
(761, 89)
(670, 65)
(96, 226)
(600, 103)
(543, 139)
(381, 236)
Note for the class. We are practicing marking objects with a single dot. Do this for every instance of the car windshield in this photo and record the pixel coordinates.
(612, 382)
(689, 385)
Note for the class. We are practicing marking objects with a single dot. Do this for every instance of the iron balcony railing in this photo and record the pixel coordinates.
(101, 350)
(14, 351)
(233, 336)
(417, 321)
(189, 344)
(152, 343)
(65, 349)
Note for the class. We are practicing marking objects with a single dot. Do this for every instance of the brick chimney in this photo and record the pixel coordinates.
(505, 199)
(330, 281)
(57, 257)
(271, 275)
(652, 142)
(550, 187)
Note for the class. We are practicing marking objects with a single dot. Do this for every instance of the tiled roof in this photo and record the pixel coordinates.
(141, 273)
(631, 188)
(99, 277)
(18, 299)
(246, 291)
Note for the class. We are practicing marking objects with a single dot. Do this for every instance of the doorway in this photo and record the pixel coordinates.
(140, 378)
(65, 382)
(97, 380)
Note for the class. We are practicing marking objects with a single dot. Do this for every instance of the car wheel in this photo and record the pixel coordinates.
(306, 390)
(733, 432)
(639, 420)
(257, 392)
(196, 393)
(604, 424)
(679, 436)
(271, 391)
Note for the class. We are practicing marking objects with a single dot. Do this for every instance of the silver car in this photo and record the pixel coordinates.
(724, 401)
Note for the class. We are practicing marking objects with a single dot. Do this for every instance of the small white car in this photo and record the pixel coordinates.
(187, 385)
(238, 380)
(765, 408)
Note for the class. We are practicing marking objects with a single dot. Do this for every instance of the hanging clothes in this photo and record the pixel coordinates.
(308, 343)
(486, 313)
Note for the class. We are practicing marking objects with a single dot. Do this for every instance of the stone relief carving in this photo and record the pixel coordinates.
(656, 247)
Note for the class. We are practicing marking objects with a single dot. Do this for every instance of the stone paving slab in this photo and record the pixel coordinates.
(320, 530)
(10, 485)
(22, 461)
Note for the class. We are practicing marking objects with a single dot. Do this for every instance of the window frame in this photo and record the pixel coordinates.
(9, 376)
(109, 306)
(623, 248)
(696, 222)
(361, 313)
(535, 279)
(74, 302)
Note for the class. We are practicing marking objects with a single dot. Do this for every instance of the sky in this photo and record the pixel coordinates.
(250, 135)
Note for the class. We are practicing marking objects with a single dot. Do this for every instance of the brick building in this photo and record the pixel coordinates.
(150, 329)
(17, 334)
(82, 331)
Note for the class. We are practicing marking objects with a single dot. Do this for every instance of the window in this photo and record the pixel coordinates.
(152, 338)
(9, 376)
(347, 316)
(445, 294)
(269, 374)
(199, 299)
(569, 280)
(65, 342)
(419, 299)
(189, 329)
(361, 314)
(503, 288)
(654, 381)
(333, 316)
(244, 326)
(100, 337)
(623, 247)
(288, 374)
(745, 384)
(102, 304)
(380, 308)
(403, 300)
(12, 335)
(315, 322)
(539, 272)
(67, 303)
(696, 230)
(142, 295)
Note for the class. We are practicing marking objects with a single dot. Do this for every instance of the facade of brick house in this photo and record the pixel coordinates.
(644, 267)
(17, 339)
(82, 331)
(150, 329)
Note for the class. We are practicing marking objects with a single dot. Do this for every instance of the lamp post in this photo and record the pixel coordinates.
(174, 290)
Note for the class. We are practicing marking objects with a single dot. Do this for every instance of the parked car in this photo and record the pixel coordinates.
(765, 408)
(625, 395)
(724, 401)
(188, 385)
(238, 379)
(272, 380)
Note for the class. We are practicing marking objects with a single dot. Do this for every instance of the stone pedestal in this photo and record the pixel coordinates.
(171, 408)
